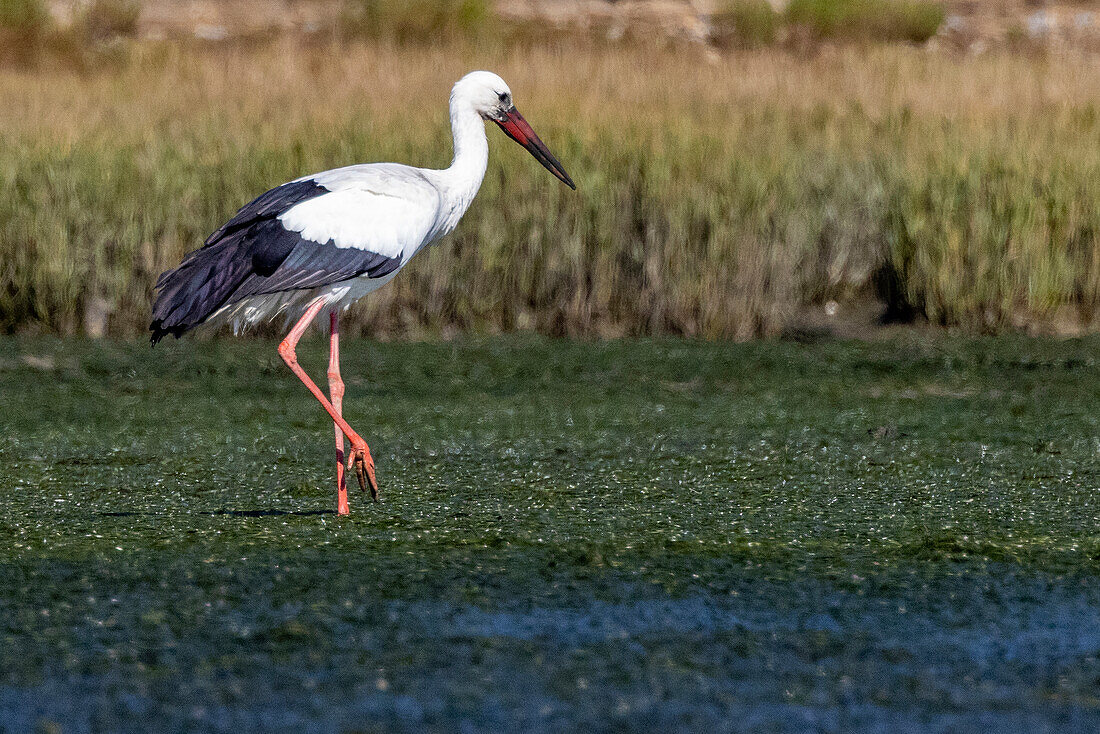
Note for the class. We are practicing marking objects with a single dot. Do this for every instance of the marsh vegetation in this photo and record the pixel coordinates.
(716, 198)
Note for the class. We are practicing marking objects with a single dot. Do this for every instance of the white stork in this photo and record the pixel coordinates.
(324, 241)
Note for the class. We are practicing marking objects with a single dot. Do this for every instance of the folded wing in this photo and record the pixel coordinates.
(306, 234)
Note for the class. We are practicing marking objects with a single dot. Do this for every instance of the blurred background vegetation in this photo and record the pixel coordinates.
(746, 169)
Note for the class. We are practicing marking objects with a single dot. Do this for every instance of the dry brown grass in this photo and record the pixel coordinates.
(290, 84)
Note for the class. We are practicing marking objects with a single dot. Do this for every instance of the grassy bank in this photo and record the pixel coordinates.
(715, 199)
(620, 536)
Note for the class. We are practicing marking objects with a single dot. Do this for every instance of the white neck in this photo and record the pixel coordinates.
(467, 170)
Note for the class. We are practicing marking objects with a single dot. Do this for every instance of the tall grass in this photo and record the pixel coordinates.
(29, 36)
(106, 20)
(744, 23)
(712, 200)
(869, 20)
(418, 21)
(750, 23)
(24, 27)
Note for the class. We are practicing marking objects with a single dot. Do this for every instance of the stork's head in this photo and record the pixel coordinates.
(491, 98)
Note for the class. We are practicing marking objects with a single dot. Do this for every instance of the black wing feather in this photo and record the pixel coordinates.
(254, 254)
(269, 205)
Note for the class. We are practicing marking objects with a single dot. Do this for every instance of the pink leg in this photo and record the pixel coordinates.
(360, 453)
(336, 395)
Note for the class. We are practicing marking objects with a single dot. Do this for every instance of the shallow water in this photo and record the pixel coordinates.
(667, 535)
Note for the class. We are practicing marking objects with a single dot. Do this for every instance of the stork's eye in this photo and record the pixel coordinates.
(503, 96)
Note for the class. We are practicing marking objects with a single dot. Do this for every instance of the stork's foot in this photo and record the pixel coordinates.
(360, 459)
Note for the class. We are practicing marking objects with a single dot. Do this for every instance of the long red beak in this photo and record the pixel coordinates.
(515, 127)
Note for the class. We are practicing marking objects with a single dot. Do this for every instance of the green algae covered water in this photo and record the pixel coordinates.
(616, 536)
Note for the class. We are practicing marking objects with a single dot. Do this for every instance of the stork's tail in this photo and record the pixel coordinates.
(202, 284)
